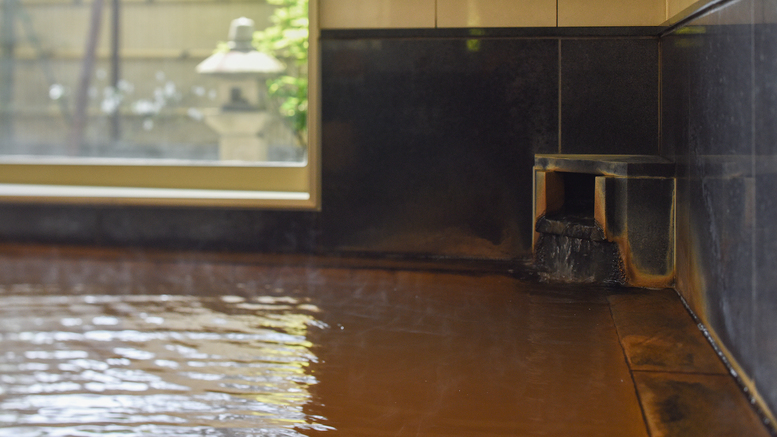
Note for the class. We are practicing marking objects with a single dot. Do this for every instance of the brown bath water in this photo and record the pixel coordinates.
(153, 365)
(196, 349)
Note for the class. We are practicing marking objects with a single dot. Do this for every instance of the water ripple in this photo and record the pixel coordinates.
(154, 365)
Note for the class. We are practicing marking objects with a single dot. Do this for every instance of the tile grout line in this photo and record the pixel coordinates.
(631, 372)
(660, 97)
(559, 95)
(754, 291)
(681, 372)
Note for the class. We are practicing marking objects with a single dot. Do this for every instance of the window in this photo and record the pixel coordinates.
(111, 101)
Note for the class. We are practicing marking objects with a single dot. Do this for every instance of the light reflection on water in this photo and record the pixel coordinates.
(154, 365)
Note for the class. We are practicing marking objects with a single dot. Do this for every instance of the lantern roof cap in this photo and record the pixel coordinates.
(242, 60)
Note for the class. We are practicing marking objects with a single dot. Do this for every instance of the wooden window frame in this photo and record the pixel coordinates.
(145, 182)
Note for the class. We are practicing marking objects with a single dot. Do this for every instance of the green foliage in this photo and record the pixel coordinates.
(287, 40)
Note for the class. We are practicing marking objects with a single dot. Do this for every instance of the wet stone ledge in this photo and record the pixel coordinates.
(620, 203)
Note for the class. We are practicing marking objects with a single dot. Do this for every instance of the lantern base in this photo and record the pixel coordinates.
(240, 134)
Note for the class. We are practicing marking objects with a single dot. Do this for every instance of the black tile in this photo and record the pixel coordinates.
(720, 94)
(49, 223)
(428, 144)
(722, 187)
(765, 317)
(676, 52)
(209, 229)
(708, 123)
(720, 216)
(609, 96)
(765, 92)
(181, 228)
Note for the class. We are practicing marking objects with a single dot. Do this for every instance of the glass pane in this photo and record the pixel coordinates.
(119, 79)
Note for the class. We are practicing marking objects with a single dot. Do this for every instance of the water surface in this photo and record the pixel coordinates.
(169, 348)
(83, 365)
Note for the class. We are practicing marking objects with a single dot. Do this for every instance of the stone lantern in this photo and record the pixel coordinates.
(242, 70)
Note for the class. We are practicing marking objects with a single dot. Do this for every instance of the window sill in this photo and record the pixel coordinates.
(153, 196)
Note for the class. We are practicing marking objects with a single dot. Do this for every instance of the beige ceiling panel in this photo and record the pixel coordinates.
(584, 13)
(377, 14)
(674, 7)
(496, 13)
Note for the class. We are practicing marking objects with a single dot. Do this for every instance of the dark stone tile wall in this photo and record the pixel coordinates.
(765, 164)
(719, 97)
(170, 228)
(428, 144)
(609, 95)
